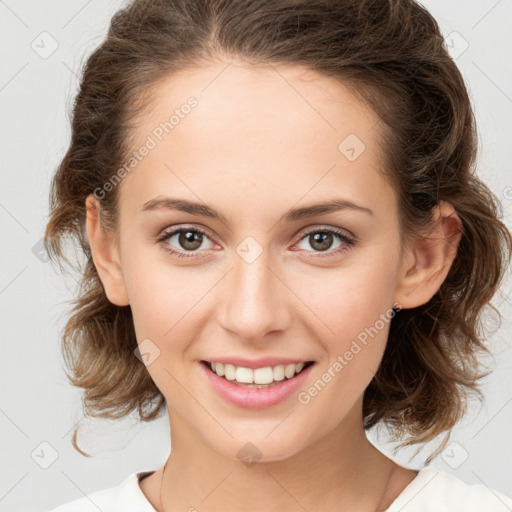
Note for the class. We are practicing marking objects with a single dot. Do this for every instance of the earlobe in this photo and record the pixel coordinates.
(105, 255)
(428, 259)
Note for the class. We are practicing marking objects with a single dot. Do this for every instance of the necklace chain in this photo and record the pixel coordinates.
(377, 509)
(161, 486)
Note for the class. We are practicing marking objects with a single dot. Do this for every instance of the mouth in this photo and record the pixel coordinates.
(263, 377)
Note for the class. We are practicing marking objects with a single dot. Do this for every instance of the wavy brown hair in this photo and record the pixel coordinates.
(392, 56)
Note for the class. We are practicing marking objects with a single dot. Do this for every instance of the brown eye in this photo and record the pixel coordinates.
(184, 242)
(321, 241)
(190, 240)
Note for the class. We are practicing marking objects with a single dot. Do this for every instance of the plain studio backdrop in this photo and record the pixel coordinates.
(43, 46)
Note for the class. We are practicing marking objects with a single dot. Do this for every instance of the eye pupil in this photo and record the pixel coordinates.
(323, 239)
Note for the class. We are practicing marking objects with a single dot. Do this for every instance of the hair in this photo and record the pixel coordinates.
(391, 55)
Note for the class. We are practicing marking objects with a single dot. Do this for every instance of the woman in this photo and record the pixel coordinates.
(286, 245)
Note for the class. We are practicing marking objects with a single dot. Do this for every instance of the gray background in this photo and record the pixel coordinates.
(37, 404)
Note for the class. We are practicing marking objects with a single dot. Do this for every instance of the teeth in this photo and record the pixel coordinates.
(229, 371)
(219, 369)
(289, 371)
(263, 375)
(278, 372)
(260, 376)
(244, 375)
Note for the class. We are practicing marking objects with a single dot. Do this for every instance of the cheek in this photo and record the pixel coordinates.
(358, 316)
(162, 307)
(355, 309)
(160, 297)
(351, 299)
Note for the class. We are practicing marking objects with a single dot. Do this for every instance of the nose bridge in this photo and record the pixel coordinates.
(253, 301)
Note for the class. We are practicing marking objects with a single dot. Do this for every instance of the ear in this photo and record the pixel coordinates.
(105, 254)
(427, 260)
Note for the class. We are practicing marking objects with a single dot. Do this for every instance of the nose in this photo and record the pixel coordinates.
(254, 300)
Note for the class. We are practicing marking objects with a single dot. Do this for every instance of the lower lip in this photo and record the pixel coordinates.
(255, 398)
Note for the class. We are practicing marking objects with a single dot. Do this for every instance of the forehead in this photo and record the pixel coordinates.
(255, 133)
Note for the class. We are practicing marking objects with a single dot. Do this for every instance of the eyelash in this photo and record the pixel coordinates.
(349, 241)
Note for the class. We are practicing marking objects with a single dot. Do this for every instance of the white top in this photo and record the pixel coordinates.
(430, 491)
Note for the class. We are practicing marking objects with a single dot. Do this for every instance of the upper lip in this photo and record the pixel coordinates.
(257, 363)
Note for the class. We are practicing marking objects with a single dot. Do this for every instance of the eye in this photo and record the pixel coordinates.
(321, 240)
(188, 240)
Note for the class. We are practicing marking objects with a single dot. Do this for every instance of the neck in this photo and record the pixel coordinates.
(342, 471)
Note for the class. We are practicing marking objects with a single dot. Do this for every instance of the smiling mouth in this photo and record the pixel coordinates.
(258, 377)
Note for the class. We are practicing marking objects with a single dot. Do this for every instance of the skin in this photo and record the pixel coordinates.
(262, 140)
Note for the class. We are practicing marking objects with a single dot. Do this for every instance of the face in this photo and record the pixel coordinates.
(254, 285)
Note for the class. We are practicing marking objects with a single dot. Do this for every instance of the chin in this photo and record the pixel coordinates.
(262, 448)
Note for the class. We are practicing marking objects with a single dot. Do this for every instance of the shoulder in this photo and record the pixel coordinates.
(126, 497)
(437, 491)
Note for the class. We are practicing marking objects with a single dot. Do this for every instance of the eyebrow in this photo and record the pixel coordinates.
(200, 209)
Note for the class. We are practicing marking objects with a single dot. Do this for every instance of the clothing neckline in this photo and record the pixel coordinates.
(143, 474)
(414, 485)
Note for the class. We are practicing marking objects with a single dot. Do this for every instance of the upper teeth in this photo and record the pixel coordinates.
(265, 375)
